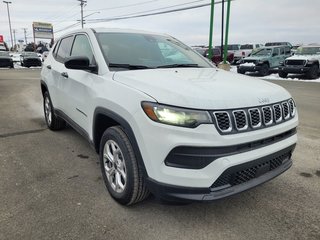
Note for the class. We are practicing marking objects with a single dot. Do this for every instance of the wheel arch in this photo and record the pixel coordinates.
(104, 118)
(44, 87)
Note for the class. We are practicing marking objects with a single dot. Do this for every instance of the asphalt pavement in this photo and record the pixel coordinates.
(51, 186)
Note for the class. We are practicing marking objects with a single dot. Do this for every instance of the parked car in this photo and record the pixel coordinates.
(245, 51)
(30, 59)
(264, 59)
(15, 56)
(176, 127)
(272, 44)
(305, 61)
(216, 56)
(201, 50)
(6, 60)
(232, 48)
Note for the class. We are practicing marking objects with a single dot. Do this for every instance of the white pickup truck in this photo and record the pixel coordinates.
(245, 50)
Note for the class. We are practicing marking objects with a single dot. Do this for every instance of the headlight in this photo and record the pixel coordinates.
(176, 116)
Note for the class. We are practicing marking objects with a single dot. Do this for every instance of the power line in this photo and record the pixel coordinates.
(162, 8)
(124, 6)
(149, 14)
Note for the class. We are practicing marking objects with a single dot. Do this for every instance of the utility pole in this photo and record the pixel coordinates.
(25, 35)
(6, 2)
(14, 37)
(82, 3)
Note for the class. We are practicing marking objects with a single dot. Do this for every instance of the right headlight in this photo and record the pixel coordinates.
(175, 116)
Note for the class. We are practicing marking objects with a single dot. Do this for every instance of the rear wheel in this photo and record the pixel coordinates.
(283, 74)
(313, 72)
(120, 170)
(264, 70)
(53, 121)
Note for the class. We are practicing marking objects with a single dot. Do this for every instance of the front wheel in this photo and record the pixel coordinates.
(264, 70)
(283, 74)
(120, 170)
(53, 121)
(313, 72)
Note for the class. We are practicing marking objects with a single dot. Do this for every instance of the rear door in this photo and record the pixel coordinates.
(275, 59)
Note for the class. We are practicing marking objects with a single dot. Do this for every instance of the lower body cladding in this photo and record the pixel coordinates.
(202, 165)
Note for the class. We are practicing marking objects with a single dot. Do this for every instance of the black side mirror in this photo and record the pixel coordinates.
(274, 54)
(79, 63)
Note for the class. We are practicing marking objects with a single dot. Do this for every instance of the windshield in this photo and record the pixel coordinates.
(124, 50)
(263, 52)
(6, 54)
(308, 50)
(247, 46)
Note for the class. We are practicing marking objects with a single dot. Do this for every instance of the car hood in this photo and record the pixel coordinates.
(257, 58)
(202, 88)
(304, 57)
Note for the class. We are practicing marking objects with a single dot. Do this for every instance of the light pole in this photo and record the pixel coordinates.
(82, 3)
(6, 2)
(84, 21)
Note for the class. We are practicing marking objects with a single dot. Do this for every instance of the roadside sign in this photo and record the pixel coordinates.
(42, 30)
(1, 39)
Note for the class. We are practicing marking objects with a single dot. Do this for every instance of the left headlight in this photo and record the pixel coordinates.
(175, 116)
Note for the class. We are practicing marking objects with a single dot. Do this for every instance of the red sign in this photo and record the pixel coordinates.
(1, 39)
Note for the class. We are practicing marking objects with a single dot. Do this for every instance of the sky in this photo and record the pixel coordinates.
(251, 21)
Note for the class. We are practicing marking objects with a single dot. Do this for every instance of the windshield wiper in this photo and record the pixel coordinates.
(182, 65)
(128, 66)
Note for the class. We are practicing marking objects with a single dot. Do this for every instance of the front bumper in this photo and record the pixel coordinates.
(233, 180)
(294, 69)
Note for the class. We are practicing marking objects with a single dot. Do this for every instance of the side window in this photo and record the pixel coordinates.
(81, 48)
(275, 52)
(282, 51)
(288, 50)
(55, 49)
(64, 49)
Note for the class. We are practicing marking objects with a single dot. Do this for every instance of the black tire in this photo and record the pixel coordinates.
(240, 71)
(134, 189)
(313, 72)
(264, 71)
(53, 122)
(283, 74)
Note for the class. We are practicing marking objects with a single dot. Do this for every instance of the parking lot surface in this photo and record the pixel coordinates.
(51, 186)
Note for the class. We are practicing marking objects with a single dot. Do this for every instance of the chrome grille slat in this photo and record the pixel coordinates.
(240, 120)
(277, 113)
(255, 117)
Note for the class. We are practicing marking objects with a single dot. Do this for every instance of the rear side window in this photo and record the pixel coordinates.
(81, 48)
(64, 49)
(281, 51)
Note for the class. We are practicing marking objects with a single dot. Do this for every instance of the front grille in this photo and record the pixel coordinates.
(237, 120)
(241, 174)
(295, 62)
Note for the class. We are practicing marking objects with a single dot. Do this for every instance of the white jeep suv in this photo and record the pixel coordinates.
(165, 120)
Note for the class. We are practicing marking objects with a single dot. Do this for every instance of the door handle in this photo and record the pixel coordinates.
(64, 74)
(49, 66)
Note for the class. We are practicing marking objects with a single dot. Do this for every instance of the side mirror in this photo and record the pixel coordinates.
(79, 63)
(274, 54)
